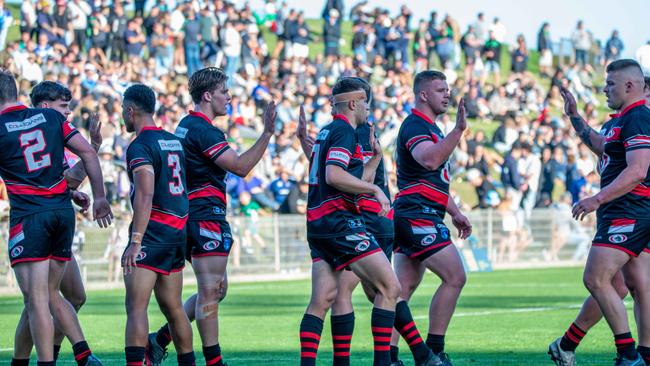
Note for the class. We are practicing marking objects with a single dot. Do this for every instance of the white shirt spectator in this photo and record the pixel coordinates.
(79, 12)
(499, 30)
(232, 42)
(643, 56)
(177, 21)
(581, 40)
(28, 14)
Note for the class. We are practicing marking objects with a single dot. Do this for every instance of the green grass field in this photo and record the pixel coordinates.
(503, 318)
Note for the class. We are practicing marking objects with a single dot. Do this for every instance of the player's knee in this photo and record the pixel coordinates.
(223, 291)
(593, 283)
(210, 293)
(77, 301)
(392, 290)
(457, 280)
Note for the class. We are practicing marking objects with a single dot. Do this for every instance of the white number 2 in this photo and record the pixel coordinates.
(176, 187)
(33, 143)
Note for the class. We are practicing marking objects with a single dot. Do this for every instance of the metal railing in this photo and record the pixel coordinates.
(274, 247)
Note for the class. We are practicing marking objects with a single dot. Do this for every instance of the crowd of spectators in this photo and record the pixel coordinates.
(520, 151)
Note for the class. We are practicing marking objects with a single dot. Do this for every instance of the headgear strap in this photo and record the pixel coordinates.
(349, 96)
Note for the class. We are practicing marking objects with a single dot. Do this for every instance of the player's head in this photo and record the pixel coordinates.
(431, 89)
(351, 95)
(208, 89)
(624, 83)
(647, 90)
(8, 87)
(139, 100)
(48, 94)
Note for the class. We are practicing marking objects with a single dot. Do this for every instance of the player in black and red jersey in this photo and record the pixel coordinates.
(41, 215)
(422, 240)
(48, 94)
(155, 256)
(336, 232)
(209, 239)
(381, 227)
(622, 217)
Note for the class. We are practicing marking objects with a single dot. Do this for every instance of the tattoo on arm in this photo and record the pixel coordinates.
(583, 130)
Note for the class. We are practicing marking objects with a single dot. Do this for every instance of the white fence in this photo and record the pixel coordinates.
(275, 247)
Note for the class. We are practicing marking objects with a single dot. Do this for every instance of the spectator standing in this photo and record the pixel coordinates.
(79, 11)
(643, 56)
(519, 56)
(135, 39)
(209, 36)
(231, 48)
(300, 38)
(544, 47)
(118, 25)
(613, 48)
(6, 21)
(581, 40)
(28, 18)
(191, 39)
(481, 28)
(499, 30)
(332, 34)
(492, 54)
(281, 187)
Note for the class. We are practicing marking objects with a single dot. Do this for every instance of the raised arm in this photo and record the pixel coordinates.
(594, 141)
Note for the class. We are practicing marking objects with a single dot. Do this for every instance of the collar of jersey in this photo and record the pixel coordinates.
(421, 115)
(201, 115)
(343, 118)
(629, 107)
(150, 128)
(13, 109)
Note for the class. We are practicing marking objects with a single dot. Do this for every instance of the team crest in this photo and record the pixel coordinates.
(142, 255)
(618, 238)
(362, 246)
(428, 240)
(211, 245)
(16, 251)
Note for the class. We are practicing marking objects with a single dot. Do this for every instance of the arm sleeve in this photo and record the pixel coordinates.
(212, 143)
(138, 155)
(416, 133)
(636, 133)
(342, 144)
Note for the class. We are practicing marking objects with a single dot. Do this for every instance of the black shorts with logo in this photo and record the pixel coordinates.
(631, 236)
(420, 238)
(41, 236)
(163, 259)
(208, 238)
(339, 252)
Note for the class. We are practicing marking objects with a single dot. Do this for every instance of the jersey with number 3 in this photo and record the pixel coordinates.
(627, 131)
(169, 210)
(32, 159)
(421, 191)
(331, 212)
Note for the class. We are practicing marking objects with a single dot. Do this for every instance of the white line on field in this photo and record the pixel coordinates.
(508, 311)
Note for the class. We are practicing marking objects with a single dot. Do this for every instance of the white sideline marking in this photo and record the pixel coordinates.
(508, 311)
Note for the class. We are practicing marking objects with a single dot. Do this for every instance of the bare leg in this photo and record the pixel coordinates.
(168, 294)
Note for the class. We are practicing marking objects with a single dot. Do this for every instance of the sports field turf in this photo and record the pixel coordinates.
(503, 318)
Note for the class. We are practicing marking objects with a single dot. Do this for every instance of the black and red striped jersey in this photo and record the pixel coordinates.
(625, 132)
(32, 160)
(421, 191)
(379, 226)
(203, 144)
(330, 212)
(170, 207)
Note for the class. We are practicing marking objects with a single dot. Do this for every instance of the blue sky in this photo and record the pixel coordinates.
(630, 17)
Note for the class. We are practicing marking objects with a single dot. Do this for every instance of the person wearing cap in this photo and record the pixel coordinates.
(332, 33)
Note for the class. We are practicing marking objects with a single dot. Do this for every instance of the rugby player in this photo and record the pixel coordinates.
(155, 256)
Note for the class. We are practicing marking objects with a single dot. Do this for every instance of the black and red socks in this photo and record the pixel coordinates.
(382, 322)
(625, 345)
(394, 354)
(186, 359)
(436, 343)
(406, 327)
(212, 355)
(134, 356)
(81, 352)
(164, 336)
(571, 338)
(311, 328)
(57, 350)
(342, 329)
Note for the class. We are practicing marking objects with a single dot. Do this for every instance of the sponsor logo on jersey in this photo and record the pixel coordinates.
(211, 245)
(181, 132)
(428, 240)
(142, 255)
(16, 251)
(362, 246)
(227, 242)
(170, 145)
(357, 237)
(444, 233)
(16, 235)
(618, 238)
(338, 155)
(423, 227)
(26, 124)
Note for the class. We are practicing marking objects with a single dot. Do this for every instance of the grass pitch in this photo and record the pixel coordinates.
(503, 318)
